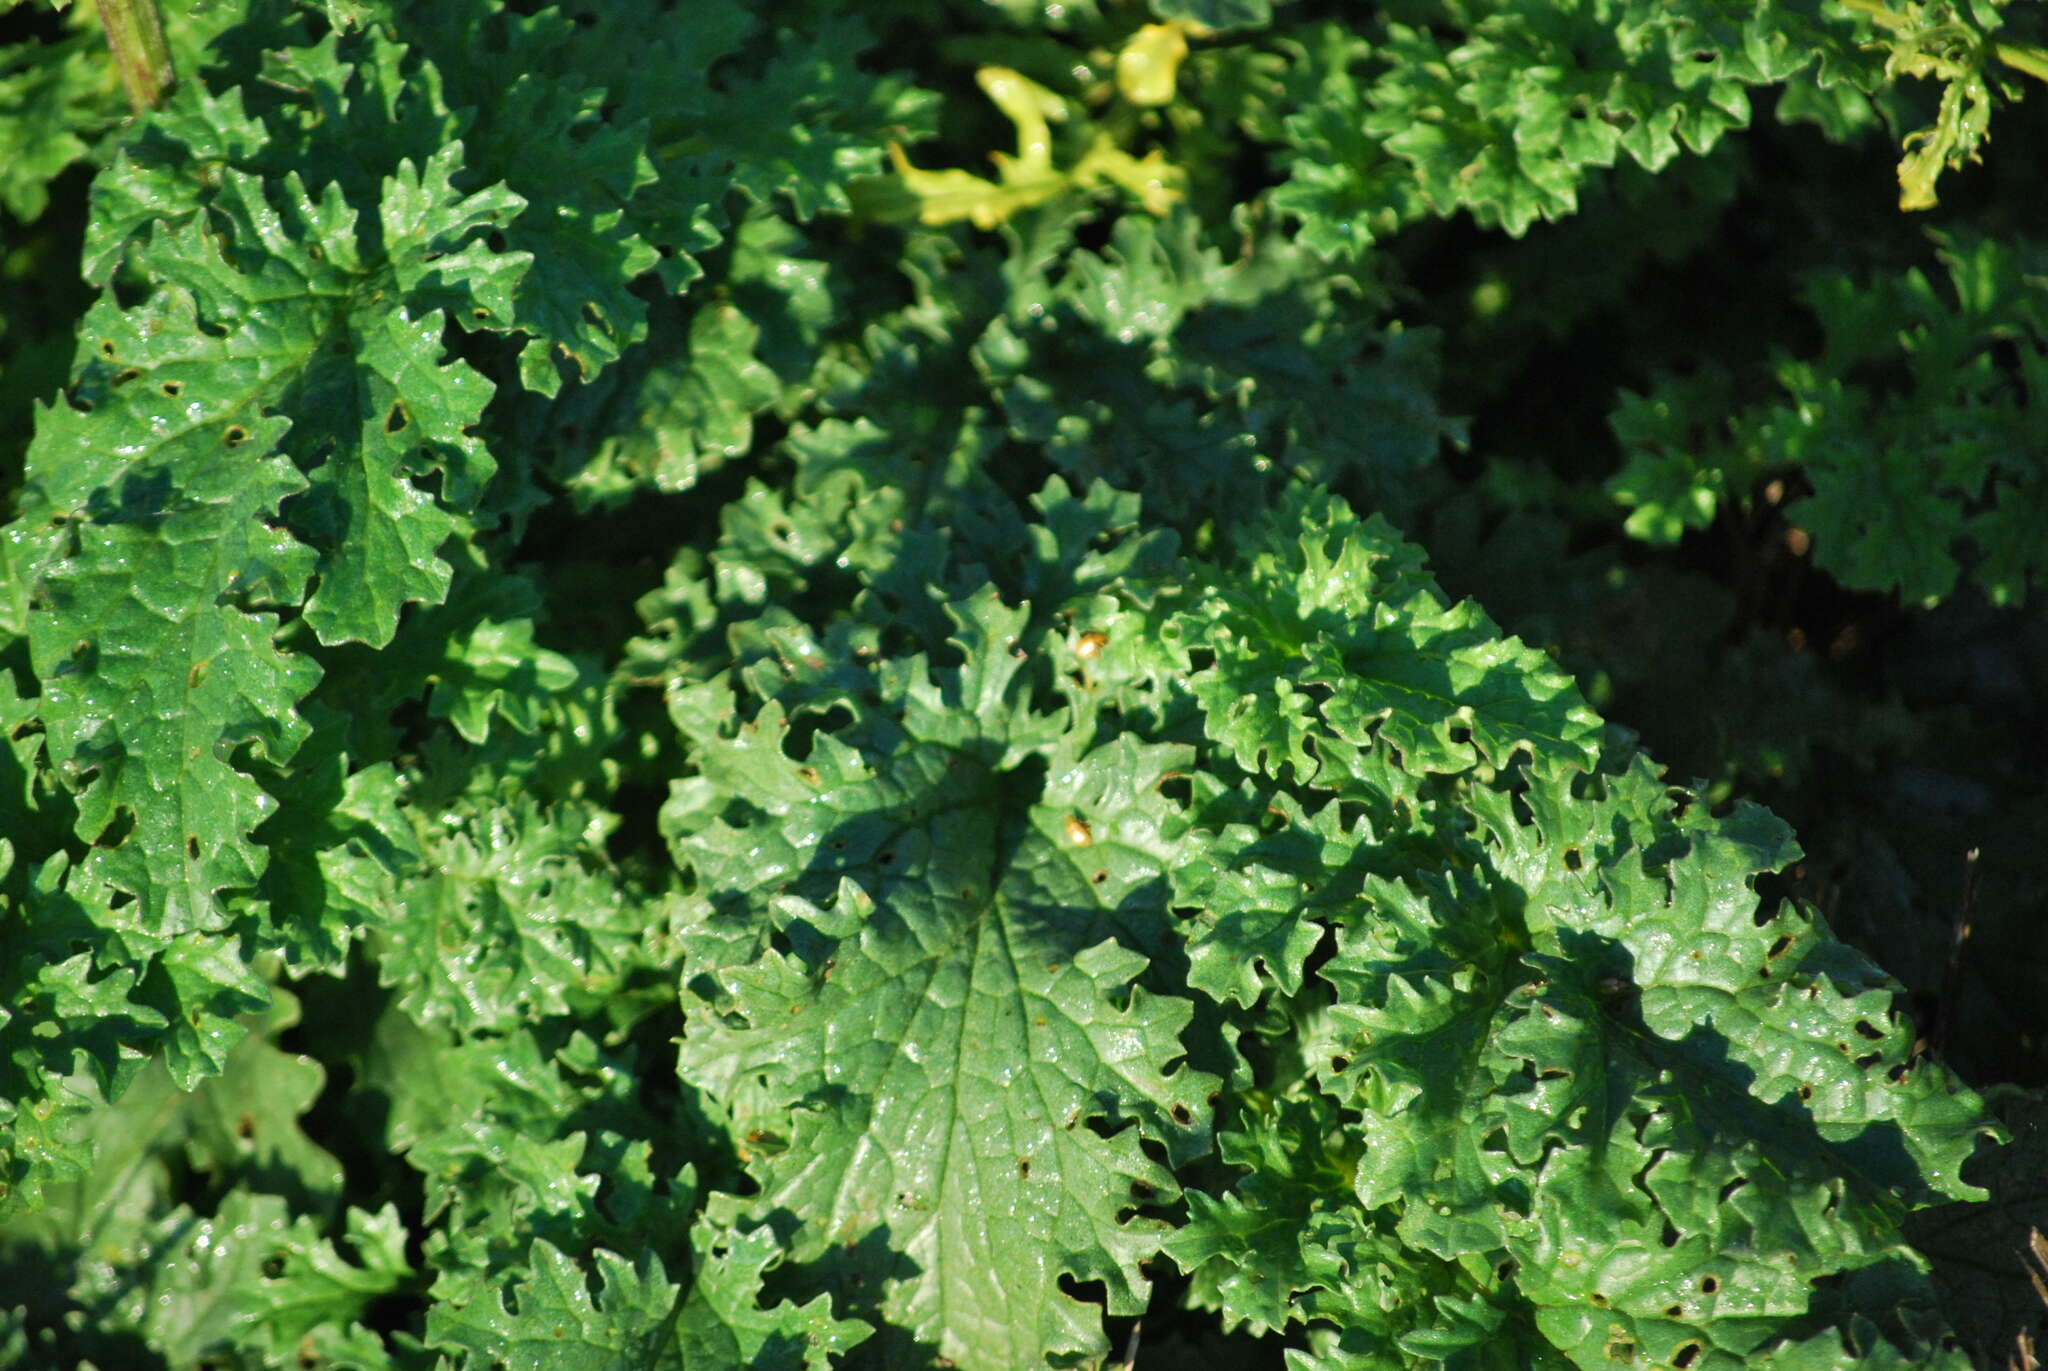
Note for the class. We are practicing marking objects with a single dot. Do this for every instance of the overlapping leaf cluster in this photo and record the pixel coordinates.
(1914, 478)
(1509, 111)
(264, 523)
(632, 748)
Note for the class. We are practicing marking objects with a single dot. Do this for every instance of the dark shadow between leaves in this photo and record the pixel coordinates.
(856, 1275)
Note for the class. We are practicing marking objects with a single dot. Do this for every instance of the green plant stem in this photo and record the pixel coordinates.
(1877, 13)
(135, 31)
(2024, 57)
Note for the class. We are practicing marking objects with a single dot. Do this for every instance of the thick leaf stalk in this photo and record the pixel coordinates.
(135, 32)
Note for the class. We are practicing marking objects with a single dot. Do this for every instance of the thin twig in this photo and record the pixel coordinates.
(1131, 1347)
(2023, 1358)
